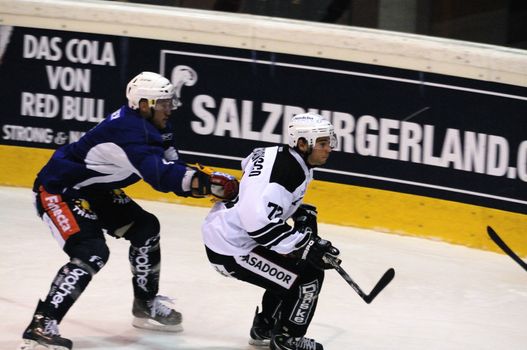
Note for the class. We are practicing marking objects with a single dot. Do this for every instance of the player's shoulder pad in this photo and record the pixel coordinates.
(287, 171)
(132, 128)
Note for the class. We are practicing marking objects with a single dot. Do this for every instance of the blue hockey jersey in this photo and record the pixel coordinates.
(118, 152)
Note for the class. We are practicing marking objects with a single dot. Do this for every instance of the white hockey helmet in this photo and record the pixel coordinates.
(151, 87)
(310, 126)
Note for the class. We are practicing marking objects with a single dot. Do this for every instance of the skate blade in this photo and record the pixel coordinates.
(32, 344)
(259, 342)
(147, 323)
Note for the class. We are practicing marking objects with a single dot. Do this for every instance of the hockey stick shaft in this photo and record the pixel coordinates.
(351, 282)
(494, 236)
(368, 298)
(203, 168)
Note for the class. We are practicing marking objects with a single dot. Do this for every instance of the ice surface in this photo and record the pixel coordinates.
(442, 297)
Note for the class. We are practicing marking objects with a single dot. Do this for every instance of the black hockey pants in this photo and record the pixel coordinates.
(78, 222)
(291, 288)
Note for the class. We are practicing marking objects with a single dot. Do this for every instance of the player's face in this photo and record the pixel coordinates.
(162, 110)
(160, 119)
(158, 116)
(320, 153)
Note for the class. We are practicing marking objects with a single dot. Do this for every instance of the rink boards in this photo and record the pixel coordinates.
(340, 204)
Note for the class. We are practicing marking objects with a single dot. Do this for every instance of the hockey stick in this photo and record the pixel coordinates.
(494, 236)
(368, 298)
(203, 168)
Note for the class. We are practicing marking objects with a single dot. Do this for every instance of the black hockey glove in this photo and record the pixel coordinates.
(200, 185)
(318, 251)
(305, 216)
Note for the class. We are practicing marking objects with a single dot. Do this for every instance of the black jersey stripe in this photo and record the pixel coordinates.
(303, 242)
(280, 239)
(266, 228)
(270, 232)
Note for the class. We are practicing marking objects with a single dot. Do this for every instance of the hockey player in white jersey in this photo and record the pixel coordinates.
(250, 239)
(78, 194)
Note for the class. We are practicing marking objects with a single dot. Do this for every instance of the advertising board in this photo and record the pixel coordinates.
(434, 135)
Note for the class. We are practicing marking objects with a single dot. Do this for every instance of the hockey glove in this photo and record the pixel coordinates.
(171, 154)
(200, 185)
(223, 186)
(169, 144)
(305, 216)
(318, 251)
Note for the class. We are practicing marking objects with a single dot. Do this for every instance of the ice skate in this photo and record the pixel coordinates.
(153, 314)
(286, 342)
(261, 330)
(43, 332)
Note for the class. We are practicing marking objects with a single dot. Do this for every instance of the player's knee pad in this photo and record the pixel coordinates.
(144, 230)
(90, 254)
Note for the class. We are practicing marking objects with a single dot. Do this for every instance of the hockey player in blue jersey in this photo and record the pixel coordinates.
(79, 196)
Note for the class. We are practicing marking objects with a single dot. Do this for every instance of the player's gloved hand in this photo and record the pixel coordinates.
(171, 154)
(319, 252)
(200, 185)
(305, 216)
(206, 181)
(169, 145)
(223, 186)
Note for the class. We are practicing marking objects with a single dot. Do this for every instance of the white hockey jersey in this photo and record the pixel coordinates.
(273, 185)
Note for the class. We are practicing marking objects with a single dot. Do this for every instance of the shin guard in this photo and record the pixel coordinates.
(145, 263)
(68, 285)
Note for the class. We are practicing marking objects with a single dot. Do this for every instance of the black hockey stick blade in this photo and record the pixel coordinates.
(383, 282)
(494, 236)
(368, 298)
